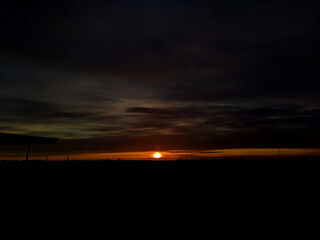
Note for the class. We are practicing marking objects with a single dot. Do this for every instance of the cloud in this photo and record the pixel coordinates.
(23, 109)
(180, 112)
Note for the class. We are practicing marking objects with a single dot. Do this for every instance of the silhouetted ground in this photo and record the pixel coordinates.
(228, 182)
(187, 168)
(134, 164)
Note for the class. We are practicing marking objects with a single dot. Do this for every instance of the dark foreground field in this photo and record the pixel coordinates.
(228, 181)
(220, 169)
(176, 164)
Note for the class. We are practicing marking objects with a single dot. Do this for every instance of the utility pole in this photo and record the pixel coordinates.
(28, 152)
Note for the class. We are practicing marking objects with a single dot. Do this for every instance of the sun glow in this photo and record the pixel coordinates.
(157, 155)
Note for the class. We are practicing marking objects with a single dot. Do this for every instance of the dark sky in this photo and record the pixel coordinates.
(140, 75)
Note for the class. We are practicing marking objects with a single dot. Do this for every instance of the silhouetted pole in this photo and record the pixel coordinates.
(28, 152)
(279, 153)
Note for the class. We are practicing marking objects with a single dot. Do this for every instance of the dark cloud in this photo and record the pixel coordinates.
(74, 115)
(160, 37)
(30, 110)
(181, 112)
(25, 109)
(256, 118)
(157, 111)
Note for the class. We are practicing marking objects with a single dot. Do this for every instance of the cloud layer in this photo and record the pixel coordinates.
(111, 76)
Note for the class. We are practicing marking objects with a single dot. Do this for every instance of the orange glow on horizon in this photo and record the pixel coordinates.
(173, 155)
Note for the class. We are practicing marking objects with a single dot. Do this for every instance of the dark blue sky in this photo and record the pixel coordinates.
(135, 75)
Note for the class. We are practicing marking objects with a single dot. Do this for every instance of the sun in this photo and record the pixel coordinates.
(157, 155)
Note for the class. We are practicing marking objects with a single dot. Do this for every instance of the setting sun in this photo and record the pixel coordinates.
(157, 155)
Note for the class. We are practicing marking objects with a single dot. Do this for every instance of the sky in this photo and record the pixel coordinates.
(196, 78)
